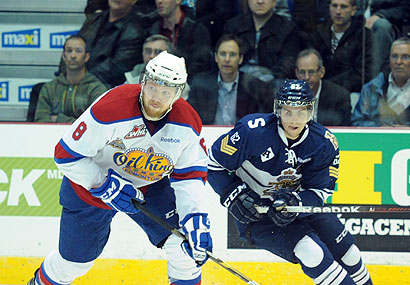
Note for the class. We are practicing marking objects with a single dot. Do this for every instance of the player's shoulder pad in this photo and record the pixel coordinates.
(184, 114)
(324, 136)
(118, 104)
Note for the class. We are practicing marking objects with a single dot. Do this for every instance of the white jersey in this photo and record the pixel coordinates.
(113, 133)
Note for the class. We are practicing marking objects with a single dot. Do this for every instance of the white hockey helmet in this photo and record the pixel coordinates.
(167, 70)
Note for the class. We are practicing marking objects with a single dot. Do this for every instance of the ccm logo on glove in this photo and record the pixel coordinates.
(232, 196)
(117, 193)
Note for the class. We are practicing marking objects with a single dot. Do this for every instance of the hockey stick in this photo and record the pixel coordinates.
(347, 209)
(174, 231)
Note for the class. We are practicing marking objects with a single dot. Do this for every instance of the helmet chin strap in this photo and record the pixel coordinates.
(179, 91)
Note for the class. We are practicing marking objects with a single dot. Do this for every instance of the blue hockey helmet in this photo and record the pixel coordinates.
(294, 93)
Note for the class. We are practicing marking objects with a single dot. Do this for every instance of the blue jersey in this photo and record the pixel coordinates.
(257, 151)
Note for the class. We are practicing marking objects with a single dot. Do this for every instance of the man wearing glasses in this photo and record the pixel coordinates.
(153, 46)
(385, 100)
(332, 101)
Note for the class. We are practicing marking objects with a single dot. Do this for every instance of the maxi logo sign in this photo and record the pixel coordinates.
(24, 93)
(57, 40)
(374, 170)
(4, 91)
(21, 39)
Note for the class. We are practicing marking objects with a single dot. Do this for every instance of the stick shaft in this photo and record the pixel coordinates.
(347, 209)
(176, 232)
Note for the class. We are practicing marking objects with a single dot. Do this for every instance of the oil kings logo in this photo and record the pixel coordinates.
(144, 164)
(21, 39)
(57, 40)
(24, 93)
(4, 91)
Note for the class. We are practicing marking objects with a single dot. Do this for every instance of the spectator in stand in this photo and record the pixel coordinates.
(271, 41)
(65, 98)
(332, 101)
(223, 96)
(153, 46)
(304, 13)
(385, 100)
(385, 19)
(95, 6)
(213, 14)
(340, 42)
(147, 13)
(190, 38)
(115, 40)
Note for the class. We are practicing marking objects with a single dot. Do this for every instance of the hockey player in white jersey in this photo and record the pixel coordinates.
(268, 161)
(135, 141)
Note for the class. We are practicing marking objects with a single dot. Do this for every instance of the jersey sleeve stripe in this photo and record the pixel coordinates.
(63, 153)
(190, 169)
(190, 175)
(195, 178)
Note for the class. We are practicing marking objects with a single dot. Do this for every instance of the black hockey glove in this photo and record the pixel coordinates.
(283, 199)
(240, 201)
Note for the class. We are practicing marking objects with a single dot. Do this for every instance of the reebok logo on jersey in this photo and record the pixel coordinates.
(137, 131)
(267, 154)
(170, 140)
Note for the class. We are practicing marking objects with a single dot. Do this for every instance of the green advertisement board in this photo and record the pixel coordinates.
(374, 169)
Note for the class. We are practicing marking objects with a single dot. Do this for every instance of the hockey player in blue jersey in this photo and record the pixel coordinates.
(269, 161)
(135, 141)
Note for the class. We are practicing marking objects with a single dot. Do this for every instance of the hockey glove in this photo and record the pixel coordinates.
(240, 201)
(117, 192)
(196, 228)
(283, 199)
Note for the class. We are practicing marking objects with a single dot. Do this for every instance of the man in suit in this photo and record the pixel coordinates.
(223, 96)
(332, 100)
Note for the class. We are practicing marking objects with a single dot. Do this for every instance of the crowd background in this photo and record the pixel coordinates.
(239, 51)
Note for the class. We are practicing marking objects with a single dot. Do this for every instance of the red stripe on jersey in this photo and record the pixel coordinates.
(183, 113)
(61, 153)
(190, 175)
(120, 103)
(88, 198)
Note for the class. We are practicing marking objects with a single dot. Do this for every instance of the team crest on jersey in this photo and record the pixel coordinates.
(117, 143)
(332, 139)
(136, 132)
(144, 164)
(288, 180)
(291, 157)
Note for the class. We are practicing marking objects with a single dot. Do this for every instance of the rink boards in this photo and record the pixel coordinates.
(374, 169)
